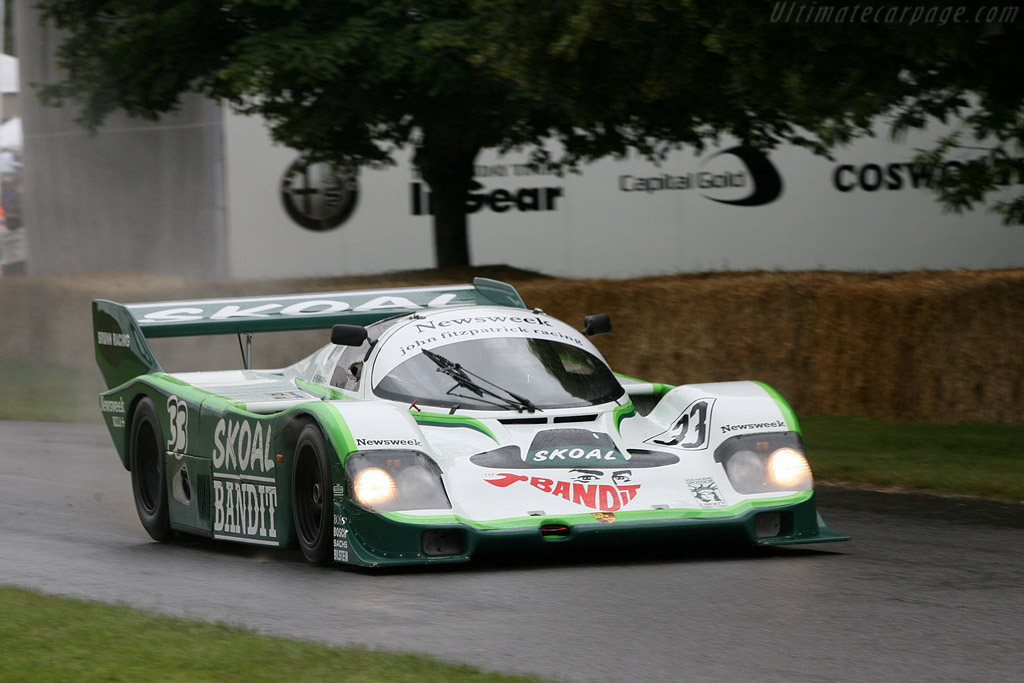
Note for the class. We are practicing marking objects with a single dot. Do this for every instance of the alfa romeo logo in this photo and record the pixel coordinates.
(319, 196)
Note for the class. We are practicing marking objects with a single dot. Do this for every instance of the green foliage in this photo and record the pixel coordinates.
(659, 73)
(60, 639)
(956, 459)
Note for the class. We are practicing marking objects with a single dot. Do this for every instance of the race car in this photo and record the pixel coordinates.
(437, 424)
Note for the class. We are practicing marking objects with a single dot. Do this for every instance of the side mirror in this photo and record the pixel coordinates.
(348, 335)
(598, 323)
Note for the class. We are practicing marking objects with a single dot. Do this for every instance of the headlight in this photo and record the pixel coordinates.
(789, 469)
(761, 463)
(745, 470)
(390, 481)
(372, 487)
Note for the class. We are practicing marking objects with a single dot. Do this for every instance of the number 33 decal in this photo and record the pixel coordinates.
(177, 418)
(690, 429)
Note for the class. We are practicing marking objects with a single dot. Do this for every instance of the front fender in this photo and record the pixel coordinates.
(696, 417)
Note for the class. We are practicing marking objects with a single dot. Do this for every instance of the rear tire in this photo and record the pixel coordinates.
(149, 477)
(312, 496)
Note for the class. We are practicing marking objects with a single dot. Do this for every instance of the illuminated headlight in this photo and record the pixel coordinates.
(788, 468)
(390, 481)
(373, 487)
(760, 463)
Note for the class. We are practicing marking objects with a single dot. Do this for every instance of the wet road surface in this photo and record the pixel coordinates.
(930, 589)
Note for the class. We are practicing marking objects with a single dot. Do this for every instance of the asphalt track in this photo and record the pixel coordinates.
(930, 589)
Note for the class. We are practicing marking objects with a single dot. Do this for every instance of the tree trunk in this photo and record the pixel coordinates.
(446, 163)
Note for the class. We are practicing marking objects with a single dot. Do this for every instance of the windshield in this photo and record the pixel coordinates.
(518, 373)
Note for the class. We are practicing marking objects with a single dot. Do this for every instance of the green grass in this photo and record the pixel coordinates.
(36, 391)
(48, 638)
(985, 460)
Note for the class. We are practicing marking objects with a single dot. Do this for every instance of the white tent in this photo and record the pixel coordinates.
(10, 134)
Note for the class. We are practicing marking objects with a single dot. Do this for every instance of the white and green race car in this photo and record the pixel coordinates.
(439, 423)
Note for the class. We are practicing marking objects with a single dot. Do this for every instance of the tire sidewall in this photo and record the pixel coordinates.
(311, 450)
(151, 506)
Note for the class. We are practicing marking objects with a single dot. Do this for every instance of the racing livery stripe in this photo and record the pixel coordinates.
(336, 428)
(321, 390)
(623, 412)
(787, 412)
(438, 420)
(623, 516)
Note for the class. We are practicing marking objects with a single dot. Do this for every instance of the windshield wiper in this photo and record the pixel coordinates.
(465, 379)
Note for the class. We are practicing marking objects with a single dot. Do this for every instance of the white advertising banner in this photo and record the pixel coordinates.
(729, 208)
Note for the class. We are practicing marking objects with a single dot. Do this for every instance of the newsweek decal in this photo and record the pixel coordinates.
(774, 424)
(244, 482)
(434, 331)
(114, 408)
(604, 490)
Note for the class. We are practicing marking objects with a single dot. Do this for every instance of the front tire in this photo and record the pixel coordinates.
(149, 476)
(312, 497)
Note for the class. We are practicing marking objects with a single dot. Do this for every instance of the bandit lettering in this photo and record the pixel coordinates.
(244, 509)
(607, 491)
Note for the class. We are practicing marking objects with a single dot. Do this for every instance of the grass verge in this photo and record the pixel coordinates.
(49, 638)
(985, 460)
(36, 391)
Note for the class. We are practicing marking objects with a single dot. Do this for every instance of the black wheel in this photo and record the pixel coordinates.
(312, 497)
(149, 478)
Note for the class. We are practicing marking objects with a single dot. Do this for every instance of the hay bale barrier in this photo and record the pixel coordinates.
(940, 346)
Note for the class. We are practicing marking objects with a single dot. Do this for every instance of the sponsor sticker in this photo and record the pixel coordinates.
(604, 490)
(705, 490)
(244, 486)
(753, 426)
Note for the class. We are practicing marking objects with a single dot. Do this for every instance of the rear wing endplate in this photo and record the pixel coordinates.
(121, 330)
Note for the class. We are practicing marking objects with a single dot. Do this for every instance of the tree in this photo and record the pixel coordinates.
(815, 74)
(346, 81)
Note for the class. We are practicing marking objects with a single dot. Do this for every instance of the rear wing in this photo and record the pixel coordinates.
(121, 330)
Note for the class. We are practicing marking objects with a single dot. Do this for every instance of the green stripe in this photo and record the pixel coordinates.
(321, 390)
(621, 413)
(657, 388)
(586, 518)
(336, 427)
(438, 420)
(787, 412)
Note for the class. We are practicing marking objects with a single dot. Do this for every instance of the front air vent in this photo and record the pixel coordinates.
(575, 418)
(524, 421)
